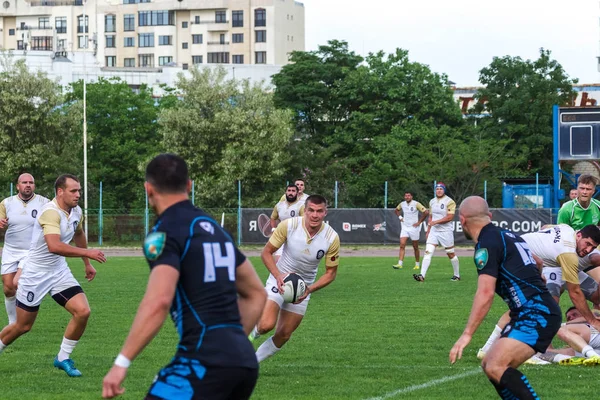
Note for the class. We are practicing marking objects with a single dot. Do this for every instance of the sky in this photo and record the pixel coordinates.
(460, 37)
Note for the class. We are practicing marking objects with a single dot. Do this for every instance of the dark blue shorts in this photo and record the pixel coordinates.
(535, 323)
(187, 379)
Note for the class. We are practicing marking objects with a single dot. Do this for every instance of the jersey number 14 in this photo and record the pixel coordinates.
(214, 258)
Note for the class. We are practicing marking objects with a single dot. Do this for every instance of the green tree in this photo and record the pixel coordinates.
(37, 135)
(228, 131)
(122, 131)
(519, 95)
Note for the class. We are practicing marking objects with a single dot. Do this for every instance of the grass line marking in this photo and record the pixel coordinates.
(426, 385)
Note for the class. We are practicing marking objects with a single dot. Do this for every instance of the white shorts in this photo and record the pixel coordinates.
(34, 284)
(594, 338)
(10, 267)
(444, 239)
(11, 260)
(411, 232)
(556, 285)
(274, 295)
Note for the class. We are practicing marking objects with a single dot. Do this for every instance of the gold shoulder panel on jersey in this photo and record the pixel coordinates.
(421, 207)
(279, 235)
(3, 209)
(282, 198)
(333, 253)
(569, 264)
(399, 206)
(49, 220)
(301, 211)
(451, 206)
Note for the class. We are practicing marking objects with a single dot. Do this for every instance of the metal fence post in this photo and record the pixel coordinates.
(100, 222)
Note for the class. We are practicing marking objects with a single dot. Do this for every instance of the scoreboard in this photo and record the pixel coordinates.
(579, 133)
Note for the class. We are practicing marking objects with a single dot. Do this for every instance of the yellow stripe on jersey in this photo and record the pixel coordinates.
(50, 222)
(2, 209)
(275, 214)
(399, 206)
(451, 207)
(421, 207)
(333, 253)
(569, 264)
(279, 236)
(301, 211)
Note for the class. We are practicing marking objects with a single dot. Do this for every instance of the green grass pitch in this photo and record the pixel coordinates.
(374, 333)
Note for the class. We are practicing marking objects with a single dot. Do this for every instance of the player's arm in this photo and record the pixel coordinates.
(332, 261)
(569, 264)
(81, 242)
(50, 222)
(3, 219)
(539, 264)
(277, 240)
(424, 214)
(251, 295)
(274, 218)
(398, 211)
(151, 315)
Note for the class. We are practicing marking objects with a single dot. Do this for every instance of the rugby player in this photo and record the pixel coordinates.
(408, 213)
(299, 183)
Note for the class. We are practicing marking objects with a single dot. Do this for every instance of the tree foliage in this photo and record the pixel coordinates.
(228, 131)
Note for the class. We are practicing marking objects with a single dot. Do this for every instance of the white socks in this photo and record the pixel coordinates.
(400, 262)
(588, 352)
(454, 262)
(2, 346)
(426, 263)
(493, 337)
(11, 309)
(66, 348)
(417, 264)
(266, 350)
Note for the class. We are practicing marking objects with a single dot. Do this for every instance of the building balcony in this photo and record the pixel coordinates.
(217, 43)
(214, 25)
(52, 3)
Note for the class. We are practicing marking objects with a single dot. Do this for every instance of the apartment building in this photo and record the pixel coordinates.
(151, 34)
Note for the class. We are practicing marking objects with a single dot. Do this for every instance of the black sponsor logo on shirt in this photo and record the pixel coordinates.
(320, 254)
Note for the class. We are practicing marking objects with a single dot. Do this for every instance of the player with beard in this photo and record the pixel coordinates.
(291, 207)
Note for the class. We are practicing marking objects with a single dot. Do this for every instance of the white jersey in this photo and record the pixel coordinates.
(440, 208)
(52, 220)
(301, 253)
(556, 246)
(21, 216)
(284, 210)
(410, 212)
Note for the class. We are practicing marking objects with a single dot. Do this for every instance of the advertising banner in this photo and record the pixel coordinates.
(381, 226)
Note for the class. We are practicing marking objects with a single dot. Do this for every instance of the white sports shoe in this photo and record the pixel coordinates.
(535, 360)
(481, 353)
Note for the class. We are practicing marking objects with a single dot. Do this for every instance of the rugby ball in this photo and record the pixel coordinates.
(293, 288)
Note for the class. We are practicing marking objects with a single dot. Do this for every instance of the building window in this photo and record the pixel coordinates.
(237, 19)
(82, 42)
(111, 61)
(129, 22)
(146, 60)
(129, 42)
(146, 40)
(197, 19)
(129, 62)
(165, 60)
(41, 43)
(184, 45)
(156, 18)
(11, 32)
(220, 17)
(222, 39)
(185, 66)
(20, 45)
(184, 24)
(23, 25)
(110, 40)
(260, 17)
(61, 44)
(44, 22)
(261, 57)
(237, 38)
(261, 36)
(218, 58)
(196, 39)
(61, 24)
(196, 60)
(81, 26)
(165, 40)
(110, 22)
(237, 59)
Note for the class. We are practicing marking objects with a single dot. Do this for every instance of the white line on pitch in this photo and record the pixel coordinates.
(426, 385)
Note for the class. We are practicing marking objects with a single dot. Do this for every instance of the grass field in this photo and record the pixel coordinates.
(375, 333)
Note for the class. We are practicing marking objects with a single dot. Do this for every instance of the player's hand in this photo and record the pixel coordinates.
(596, 324)
(3, 223)
(304, 296)
(96, 255)
(111, 385)
(90, 272)
(415, 225)
(459, 346)
(280, 279)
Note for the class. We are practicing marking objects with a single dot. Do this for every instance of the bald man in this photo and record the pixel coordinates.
(506, 266)
(17, 213)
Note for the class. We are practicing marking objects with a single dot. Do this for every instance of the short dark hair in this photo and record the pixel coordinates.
(61, 181)
(569, 310)
(316, 199)
(291, 185)
(168, 173)
(408, 192)
(587, 179)
(300, 179)
(592, 232)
